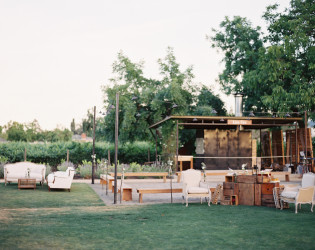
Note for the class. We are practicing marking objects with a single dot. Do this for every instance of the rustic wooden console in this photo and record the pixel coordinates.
(27, 183)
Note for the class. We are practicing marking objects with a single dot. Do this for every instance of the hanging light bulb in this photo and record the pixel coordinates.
(251, 114)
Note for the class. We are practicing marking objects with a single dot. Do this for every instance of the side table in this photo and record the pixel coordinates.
(27, 183)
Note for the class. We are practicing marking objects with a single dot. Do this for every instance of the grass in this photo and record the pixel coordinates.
(76, 220)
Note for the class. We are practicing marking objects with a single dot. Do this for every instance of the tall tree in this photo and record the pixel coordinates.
(276, 72)
(144, 101)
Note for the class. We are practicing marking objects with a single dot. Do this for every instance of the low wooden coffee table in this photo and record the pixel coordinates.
(27, 183)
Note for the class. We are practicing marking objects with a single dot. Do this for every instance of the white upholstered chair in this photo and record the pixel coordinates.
(61, 179)
(298, 195)
(193, 187)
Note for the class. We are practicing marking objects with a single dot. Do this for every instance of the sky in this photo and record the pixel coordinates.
(55, 55)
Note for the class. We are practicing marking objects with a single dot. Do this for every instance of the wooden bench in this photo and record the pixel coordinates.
(156, 191)
(143, 174)
(110, 179)
(127, 191)
(286, 174)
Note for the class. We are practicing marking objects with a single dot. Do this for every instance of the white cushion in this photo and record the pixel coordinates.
(36, 175)
(197, 190)
(289, 194)
(50, 178)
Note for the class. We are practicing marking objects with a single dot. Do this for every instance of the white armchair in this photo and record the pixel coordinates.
(300, 194)
(193, 187)
(61, 179)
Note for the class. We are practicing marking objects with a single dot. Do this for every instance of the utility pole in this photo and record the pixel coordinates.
(116, 146)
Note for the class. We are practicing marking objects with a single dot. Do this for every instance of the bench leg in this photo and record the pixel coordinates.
(287, 177)
(140, 197)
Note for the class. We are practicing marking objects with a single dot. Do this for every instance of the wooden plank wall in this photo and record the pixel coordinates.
(277, 146)
(266, 149)
(225, 143)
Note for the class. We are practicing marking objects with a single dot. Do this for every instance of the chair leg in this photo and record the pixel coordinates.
(209, 201)
(201, 200)
(186, 201)
(312, 206)
(296, 208)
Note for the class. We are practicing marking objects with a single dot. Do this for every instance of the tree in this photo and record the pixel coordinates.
(72, 126)
(208, 103)
(15, 132)
(275, 73)
(145, 101)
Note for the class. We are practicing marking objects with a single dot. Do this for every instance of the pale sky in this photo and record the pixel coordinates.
(56, 54)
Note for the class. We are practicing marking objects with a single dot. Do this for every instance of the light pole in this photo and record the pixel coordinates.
(170, 172)
(116, 145)
(93, 149)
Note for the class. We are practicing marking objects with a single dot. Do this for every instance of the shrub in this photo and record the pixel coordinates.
(3, 161)
(55, 153)
(85, 169)
(64, 165)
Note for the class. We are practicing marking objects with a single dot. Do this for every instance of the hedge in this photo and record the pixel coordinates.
(55, 153)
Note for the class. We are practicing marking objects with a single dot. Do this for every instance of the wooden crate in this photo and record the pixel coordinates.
(229, 178)
(26, 183)
(234, 200)
(249, 179)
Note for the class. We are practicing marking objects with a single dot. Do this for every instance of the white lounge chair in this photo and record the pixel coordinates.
(300, 194)
(193, 187)
(61, 179)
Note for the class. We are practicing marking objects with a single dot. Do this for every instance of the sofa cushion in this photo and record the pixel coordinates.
(289, 194)
(197, 190)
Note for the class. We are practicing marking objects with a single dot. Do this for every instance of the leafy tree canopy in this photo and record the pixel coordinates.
(275, 72)
(144, 101)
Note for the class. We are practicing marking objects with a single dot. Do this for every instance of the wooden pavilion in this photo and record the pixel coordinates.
(224, 142)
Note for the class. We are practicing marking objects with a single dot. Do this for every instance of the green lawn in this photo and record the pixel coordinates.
(79, 220)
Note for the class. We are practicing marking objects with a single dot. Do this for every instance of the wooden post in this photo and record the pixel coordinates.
(93, 149)
(296, 147)
(116, 146)
(176, 160)
(156, 154)
(148, 154)
(109, 157)
(25, 154)
(305, 118)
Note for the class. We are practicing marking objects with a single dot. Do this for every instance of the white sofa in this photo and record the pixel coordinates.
(61, 179)
(19, 170)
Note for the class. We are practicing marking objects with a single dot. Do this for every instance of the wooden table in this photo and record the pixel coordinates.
(27, 183)
(143, 174)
